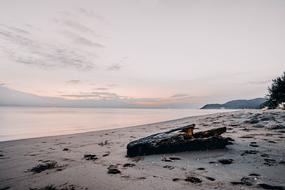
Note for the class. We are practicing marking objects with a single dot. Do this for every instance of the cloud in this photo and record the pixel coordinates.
(2, 83)
(179, 100)
(16, 29)
(73, 82)
(117, 66)
(46, 49)
(23, 48)
(110, 96)
(179, 95)
(75, 25)
(82, 40)
(90, 13)
(87, 42)
(98, 95)
(114, 67)
(112, 85)
(102, 89)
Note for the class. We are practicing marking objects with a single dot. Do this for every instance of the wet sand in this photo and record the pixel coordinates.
(97, 160)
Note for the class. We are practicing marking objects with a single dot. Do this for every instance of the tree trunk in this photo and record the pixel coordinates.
(178, 140)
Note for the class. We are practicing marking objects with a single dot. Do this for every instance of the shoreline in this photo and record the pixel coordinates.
(152, 123)
(258, 150)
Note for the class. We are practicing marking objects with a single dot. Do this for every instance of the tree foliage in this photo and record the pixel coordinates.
(276, 93)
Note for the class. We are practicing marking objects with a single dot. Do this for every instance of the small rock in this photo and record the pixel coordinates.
(226, 161)
(113, 169)
(210, 178)
(236, 183)
(65, 149)
(247, 136)
(253, 145)
(90, 157)
(48, 187)
(282, 162)
(166, 159)
(269, 162)
(103, 143)
(273, 187)
(193, 180)
(247, 181)
(168, 167)
(45, 165)
(273, 142)
(128, 165)
(264, 155)
(125, 176)
(249, 152)
(254, 175)
(174, 158)
(258, 126)
(252, 121)
(106, 154)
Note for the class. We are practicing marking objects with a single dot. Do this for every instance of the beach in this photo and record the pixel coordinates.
(256, 160)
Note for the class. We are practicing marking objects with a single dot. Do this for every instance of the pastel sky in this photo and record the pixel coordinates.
(150, 52)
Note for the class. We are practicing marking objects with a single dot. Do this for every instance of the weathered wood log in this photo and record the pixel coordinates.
(210, 133)
(178, 140)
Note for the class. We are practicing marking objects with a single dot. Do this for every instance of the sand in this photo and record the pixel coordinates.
(257, 155)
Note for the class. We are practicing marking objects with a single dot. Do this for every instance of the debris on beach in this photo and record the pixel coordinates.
(90, 157)
(104, 143)
(64, 186)
(113, 169)
(193, 180)
(253, 144)
(44, 165)
(106, 154)
(269, 162)
(5, 188)
(249, 152)
(128, 165)
(169, 167)
(226, 161)
(274, 187)
(170, 159)
(48, 187)
(178, 140)
(210, 178)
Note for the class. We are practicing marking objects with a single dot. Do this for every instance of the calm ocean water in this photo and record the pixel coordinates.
(23, 122)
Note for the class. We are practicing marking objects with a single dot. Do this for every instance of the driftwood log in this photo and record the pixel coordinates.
(178, 140)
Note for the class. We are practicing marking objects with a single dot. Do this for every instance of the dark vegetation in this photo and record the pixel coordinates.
(238, 104)
(276, 93)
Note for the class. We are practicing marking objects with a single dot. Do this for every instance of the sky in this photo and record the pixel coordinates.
(147, 52)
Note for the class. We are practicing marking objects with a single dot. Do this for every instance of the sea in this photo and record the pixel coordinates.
(30, 122)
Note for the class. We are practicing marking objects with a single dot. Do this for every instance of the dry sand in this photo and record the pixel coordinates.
(258, 155)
